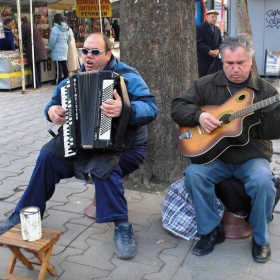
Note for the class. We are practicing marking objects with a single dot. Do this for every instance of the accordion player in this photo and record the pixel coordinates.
(87, 127)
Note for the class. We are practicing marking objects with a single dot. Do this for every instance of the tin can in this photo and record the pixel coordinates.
(31, 228)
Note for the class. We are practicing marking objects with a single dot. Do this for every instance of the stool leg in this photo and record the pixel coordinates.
(18, 254)
(90, 210)
(45, 264)
(11, 266)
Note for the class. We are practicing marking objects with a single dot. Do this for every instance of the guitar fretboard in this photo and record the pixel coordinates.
(254, 107)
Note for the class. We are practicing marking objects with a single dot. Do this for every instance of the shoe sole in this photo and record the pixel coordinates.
(261, 260)
(125, 257)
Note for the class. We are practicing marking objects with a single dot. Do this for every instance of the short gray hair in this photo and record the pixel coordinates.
(241, 40)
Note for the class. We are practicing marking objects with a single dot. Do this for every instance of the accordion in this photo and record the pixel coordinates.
(87, 127)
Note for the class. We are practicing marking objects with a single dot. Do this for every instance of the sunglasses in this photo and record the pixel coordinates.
(94, 52)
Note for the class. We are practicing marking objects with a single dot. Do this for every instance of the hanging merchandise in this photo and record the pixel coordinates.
(2, 33)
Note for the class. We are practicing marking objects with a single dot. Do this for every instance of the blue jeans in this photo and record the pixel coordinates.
(200, 181)
(111, 204)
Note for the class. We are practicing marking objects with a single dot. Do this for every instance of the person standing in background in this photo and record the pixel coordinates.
(72, 58)
(108, 28)
(39, 50)
(59, 41)
(116, 29)
(7, 43)
(208, 40)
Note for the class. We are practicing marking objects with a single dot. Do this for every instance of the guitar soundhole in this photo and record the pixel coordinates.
(225, 119)
(241, 97)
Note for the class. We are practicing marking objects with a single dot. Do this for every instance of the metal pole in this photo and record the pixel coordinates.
(20, 46)
(32, 45)
(100, 18)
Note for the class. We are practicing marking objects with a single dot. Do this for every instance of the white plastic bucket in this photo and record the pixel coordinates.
(31, 228)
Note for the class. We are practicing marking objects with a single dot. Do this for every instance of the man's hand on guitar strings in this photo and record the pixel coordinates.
(112, 108)
(208, 122)
(57, 114)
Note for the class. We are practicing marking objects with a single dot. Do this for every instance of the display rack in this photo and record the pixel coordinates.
(41, 21)
(80, 26)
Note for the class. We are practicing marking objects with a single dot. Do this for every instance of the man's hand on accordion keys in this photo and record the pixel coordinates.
(57, 114)
(113, 107)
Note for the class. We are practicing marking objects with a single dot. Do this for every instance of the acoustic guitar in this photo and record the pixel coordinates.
(204, 147)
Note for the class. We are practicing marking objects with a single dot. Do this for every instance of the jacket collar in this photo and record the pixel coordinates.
(221, 80)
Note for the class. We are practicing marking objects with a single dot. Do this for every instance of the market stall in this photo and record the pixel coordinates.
(10, 70)
(82, 21)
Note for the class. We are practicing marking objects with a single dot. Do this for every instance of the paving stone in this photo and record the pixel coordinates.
(70, 196)
(169, 268)
(99, 255)
(82, 272)
(181, 249)
(267, 271)
(131, 270)
(8, 188)
(148, 250)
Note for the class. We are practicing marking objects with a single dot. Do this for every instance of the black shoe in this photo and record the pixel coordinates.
(207, 242)
(260, 253)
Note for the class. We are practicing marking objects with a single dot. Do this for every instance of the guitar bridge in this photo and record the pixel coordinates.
(186, 135)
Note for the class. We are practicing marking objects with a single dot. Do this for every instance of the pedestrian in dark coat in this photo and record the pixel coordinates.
(40, 53)
(208, 39)
(7, 43)
(116, 29)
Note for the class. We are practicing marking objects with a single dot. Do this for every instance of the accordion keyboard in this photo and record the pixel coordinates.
(105, 122)
(67, 138)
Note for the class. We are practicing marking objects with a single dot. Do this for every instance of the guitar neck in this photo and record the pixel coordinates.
(255, 106)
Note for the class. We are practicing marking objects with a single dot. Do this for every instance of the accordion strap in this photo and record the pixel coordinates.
(125, 115)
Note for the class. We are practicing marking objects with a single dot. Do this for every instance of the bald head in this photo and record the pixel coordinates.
(101, 55)
(94, 37)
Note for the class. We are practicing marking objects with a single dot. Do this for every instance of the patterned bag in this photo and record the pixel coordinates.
(178, 214)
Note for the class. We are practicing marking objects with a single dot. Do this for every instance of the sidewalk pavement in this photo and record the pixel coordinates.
(86, 250)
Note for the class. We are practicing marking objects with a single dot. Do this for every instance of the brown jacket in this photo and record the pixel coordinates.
(39, 48)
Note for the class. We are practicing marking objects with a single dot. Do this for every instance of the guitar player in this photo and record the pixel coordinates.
(248, 154)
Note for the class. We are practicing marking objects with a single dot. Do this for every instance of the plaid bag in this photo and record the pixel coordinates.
(178, 214)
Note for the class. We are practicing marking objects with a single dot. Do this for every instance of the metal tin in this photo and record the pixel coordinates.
(31, 228)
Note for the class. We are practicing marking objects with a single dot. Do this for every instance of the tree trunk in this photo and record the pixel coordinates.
(243, 24)
(158, 38)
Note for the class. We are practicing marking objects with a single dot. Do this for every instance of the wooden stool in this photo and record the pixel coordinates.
(41, 249)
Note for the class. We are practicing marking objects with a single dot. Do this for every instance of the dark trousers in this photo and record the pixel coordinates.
(111, 204)
(61, 68)
(37, 74)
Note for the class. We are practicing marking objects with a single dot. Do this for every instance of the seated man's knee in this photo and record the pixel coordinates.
(45, 156)
(260, 181)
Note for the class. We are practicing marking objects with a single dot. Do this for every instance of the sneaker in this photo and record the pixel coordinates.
(125, 244)
(10, 222)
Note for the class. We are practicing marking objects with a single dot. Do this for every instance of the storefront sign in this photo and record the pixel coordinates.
(272, 65)
(17, 62)
(90, 8)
